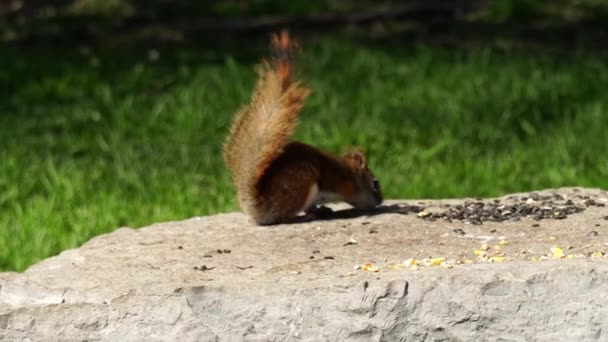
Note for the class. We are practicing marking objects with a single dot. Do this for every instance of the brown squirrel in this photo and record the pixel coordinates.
(276, 179)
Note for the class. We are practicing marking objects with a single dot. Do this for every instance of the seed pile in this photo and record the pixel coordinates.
(533, 206)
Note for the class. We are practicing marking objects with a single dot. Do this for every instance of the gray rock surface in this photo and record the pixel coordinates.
(222, 278)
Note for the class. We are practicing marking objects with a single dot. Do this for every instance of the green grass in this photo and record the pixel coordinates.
(92, 143)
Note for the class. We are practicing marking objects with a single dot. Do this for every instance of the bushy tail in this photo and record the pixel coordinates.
(261, 129)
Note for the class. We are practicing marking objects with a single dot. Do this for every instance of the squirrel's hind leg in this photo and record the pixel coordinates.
(290, 192)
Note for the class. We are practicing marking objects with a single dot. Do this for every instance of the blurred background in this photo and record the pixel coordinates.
(113, 111)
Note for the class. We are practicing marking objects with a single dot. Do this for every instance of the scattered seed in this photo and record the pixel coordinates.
(535, 207)
(459, 231)
(424, 214)
(497, 259)
(350, 242)
(558, 253)
(412, 263)
(203, 268)
(243, 267)
(436, 261)
(369, 267)
(328, 257)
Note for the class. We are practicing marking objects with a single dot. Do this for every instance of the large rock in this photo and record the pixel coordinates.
(222, 278)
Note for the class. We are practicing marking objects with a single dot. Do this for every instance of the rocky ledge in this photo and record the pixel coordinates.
(517, 268)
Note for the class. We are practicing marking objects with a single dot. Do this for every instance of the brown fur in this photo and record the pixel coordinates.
(286, 184)
(273, 178)
(261, 129)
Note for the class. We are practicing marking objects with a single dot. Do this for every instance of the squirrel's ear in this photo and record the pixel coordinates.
(355, 158)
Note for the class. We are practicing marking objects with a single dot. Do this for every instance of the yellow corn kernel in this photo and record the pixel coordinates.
(436, 261)
(558, 253)
(369, 267)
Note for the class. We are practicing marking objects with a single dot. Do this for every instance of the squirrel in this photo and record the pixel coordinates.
(276, 179)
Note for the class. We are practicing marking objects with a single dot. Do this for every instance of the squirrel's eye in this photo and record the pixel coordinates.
(375, 184)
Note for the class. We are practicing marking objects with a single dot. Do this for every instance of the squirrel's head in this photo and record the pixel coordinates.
(367, 193)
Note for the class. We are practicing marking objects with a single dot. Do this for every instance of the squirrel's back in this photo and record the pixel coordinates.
(261, 129)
